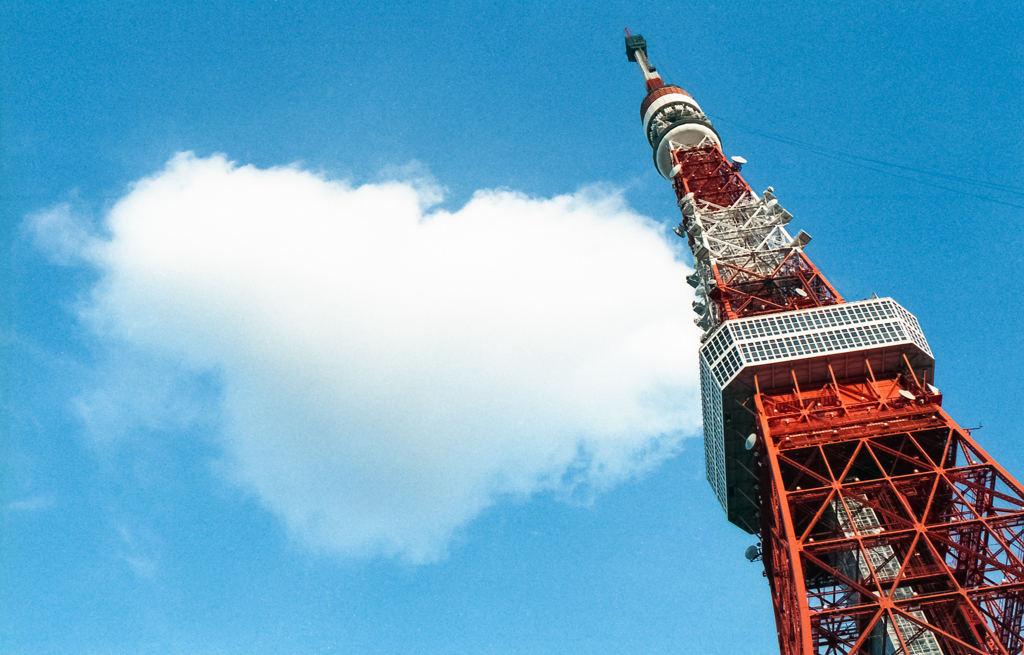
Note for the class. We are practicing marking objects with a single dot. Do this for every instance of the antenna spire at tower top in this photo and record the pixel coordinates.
(636, 51)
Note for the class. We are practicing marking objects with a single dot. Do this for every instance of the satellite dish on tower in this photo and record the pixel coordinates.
(751, 440)
(752, 553)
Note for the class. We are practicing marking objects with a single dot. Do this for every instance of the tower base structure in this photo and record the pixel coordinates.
(886, 528)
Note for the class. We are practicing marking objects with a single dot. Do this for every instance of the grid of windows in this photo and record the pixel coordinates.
(821, 342)
(865, 311)
(916, 335)
(717, 345)
(714, 433)
(808, 332)
(728, 367)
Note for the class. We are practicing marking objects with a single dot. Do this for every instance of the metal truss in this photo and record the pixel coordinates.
(886, 529)
(746, 262)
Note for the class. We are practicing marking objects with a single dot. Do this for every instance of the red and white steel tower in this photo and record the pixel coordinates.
(885, 528)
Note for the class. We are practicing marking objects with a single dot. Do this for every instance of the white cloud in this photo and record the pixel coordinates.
(59, 234)
(139, 548)
(30, 504)
(388, 371)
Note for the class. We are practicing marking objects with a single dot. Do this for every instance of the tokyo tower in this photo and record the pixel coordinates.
(885, 528)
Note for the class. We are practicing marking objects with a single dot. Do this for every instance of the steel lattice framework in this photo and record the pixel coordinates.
(885, 528)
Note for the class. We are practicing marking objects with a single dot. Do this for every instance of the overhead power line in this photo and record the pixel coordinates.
(859, 161)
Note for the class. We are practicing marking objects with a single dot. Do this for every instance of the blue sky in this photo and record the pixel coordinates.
(227, 386)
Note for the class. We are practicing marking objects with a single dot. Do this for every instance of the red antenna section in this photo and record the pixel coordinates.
(884, 528)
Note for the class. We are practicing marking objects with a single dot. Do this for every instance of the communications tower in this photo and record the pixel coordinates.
(885, 528)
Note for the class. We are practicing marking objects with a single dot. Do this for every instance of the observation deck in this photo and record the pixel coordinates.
(808, 348)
